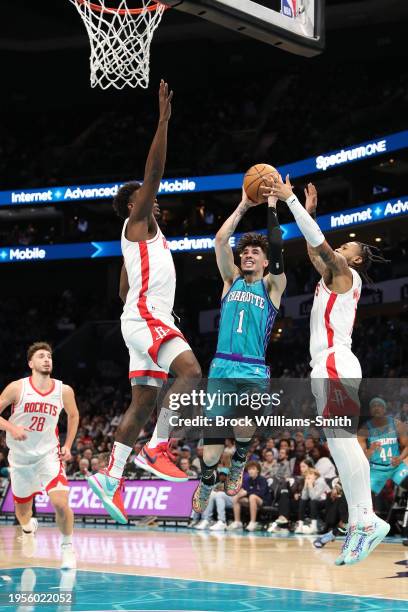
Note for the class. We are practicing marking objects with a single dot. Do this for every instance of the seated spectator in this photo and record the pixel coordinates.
(94, 465)
(323, 465)
(336, 516)
(283, 470)
(313, 495)
(196, 464)
(185, 466)
(269, 465)
(218, 500)
(4, 466)
(254, 493)
(270, 445)
(83, 470)
(300, 455)
(289, 498)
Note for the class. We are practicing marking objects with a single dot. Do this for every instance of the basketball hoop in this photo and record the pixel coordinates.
(120, 39)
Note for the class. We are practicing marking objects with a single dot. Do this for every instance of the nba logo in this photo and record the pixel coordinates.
(288, 8)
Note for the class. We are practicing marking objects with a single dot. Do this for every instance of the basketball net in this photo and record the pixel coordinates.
(120, 40)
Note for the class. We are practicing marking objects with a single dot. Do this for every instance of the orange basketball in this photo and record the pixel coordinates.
(258, 176)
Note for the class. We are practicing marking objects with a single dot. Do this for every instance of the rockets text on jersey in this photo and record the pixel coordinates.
(332, 318)
(151, 275)
(39, 413)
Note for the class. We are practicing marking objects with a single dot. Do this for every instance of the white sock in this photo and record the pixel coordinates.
(300, 523)
(119, 456)
(314, 524)
(66, 540)
(162, 430)
(354, 471)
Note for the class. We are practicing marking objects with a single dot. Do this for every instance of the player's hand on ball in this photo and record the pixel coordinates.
(19, 433)
(165, 99)
(246, 201)
(311, 198)
(65, 454)
(281, 190)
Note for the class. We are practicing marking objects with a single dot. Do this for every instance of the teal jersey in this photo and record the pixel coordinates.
(388, 437)
(246, 322)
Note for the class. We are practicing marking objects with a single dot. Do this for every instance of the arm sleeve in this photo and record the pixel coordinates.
(275, 242)
(305, 223)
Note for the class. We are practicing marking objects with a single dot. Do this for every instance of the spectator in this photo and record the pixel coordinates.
(289, 498)
(4, 466)
(185, 466)
(196, 463)
(269, 466)
(83, 470)
(314, 495)
(254, 493)
(300, 455)
(94, 465)
(323, 465)
(283, 470)
(336, 516)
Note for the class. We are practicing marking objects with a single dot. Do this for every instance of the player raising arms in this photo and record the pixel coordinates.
(250, 302)
(331, 324)
(32, 436)
(156, 346)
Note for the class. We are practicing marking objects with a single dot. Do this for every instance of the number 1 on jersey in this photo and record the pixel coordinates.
(241, 319)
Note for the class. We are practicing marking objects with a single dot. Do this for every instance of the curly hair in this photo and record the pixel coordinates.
(122, 198)
(254, 240)
(38, 346)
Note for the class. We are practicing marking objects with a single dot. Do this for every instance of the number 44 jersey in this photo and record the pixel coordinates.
(39, 413)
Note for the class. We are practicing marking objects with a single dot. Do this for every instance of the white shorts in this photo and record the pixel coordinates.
(153, 345)
(28, 480)
(336, 378)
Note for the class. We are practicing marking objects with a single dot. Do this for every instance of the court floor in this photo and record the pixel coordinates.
(169, 569)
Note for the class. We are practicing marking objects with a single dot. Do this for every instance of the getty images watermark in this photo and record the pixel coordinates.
(211, 405)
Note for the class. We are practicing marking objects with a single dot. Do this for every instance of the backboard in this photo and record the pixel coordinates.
(296, 26)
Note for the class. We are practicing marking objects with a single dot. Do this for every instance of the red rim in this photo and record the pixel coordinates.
(136, 11)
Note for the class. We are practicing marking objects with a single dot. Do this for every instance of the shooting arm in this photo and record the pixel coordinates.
(70, 407)
(223, 250)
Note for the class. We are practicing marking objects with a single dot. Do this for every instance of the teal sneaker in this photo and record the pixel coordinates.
(346, 546)
(108, 489)
(365, 539)
(233, 482)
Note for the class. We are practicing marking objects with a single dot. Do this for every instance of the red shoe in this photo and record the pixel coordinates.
(160, 462)
(108, 489)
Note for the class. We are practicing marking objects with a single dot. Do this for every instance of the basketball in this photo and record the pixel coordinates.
(258, 176)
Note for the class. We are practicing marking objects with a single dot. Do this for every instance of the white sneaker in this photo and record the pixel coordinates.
(299, 527)
(234, 525)
(202, 524)
(309, 530)
(252, 526)
(218, 526)
(68, 561)
(275, 527)
(33, 527)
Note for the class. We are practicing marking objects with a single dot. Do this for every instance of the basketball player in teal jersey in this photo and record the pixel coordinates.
(250, 302)
(385, 443)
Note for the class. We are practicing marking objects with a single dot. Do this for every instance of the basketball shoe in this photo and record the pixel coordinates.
(160, 462)
(233, 482)
(201, 497)
(108, 489)
(346, 546)
(365, 539)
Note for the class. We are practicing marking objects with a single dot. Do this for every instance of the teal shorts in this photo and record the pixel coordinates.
(379, 475)
(234, 379)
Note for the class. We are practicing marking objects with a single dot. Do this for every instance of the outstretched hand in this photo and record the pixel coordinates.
(311, 198)
(246, 201)
(165, 99)
(279, 189)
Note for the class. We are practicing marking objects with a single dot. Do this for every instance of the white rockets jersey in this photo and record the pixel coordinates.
(332, 318)
(152, 277)
(39, 413)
